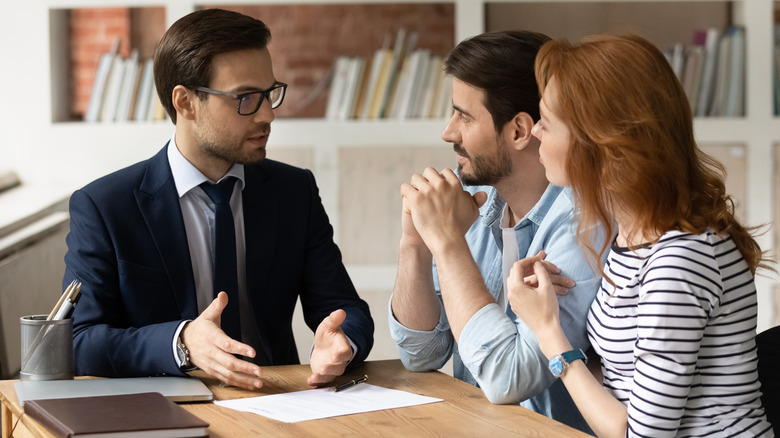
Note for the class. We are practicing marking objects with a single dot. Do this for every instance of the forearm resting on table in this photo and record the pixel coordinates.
(502, 357)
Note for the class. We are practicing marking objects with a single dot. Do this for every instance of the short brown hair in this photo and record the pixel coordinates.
(501, 64)
(184, 54)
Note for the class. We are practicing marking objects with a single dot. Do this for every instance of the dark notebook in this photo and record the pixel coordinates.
(142, 414)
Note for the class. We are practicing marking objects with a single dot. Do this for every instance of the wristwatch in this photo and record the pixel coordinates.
(560, 362)
(183, 353)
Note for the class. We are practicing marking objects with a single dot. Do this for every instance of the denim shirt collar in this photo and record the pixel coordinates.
(491, 211)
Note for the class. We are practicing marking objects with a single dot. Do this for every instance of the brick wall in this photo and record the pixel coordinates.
(305, 41)
(92, 32)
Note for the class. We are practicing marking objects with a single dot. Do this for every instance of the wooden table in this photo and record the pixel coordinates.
(464, 412)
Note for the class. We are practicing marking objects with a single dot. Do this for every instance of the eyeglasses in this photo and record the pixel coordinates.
(249, 103)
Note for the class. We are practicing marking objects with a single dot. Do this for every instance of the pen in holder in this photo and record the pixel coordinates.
(47, 348)
(47, 340)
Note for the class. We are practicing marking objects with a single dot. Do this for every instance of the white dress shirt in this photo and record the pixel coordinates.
(198, 214)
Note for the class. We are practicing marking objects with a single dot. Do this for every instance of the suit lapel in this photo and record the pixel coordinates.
(158, 202)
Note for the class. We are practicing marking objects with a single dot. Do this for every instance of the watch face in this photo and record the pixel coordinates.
(556, 367)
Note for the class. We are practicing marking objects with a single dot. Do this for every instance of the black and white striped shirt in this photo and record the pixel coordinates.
(677, 338)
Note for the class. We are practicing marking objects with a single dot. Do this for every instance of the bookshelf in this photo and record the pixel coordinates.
(360, 164)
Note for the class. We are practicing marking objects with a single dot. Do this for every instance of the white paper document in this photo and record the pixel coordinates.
(318, 403)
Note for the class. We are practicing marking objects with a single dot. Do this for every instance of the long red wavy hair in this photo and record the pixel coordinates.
(633, 147)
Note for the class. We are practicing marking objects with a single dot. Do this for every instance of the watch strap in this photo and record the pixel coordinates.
(572, 355)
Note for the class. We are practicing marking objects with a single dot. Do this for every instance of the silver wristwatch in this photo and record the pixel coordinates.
(183, 353)
(560, 362)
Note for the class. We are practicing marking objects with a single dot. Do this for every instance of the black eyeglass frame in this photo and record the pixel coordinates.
(266, 96)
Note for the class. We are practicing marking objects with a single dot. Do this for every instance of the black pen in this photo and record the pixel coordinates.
(350, 384)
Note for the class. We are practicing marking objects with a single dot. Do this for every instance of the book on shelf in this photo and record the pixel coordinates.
(124, 90)
(735, 101)
(400, 83)
(421, 84)
(728, 92)
(138, 415)
(363, 89)
(105, 64)
(712, 71)
(444, 104)
(721, 80)
(147, 94)
(375, 71)
(347, 82)
(145, 91)
(128, 87)
(355, 71)
(707, 85)
(337, 86)
(675, 54)
(435, 67)
(112, 90)
(133, 97)
(692, 75)
(403, 46)
(437, 90)
(402, 87)
(776, 69)
(405, 74)
(380, 86)
(410, 84)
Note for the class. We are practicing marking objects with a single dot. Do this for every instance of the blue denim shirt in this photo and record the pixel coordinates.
(497, 352)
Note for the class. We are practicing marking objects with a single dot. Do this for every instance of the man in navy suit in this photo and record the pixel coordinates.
(141, 239)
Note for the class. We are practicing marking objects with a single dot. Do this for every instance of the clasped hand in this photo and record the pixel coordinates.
(214, 352)
(532, 285)
(436, 209)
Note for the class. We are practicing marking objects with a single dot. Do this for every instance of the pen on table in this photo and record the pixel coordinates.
(350, 384)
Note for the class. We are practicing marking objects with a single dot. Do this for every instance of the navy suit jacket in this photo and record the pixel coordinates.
(127, 245)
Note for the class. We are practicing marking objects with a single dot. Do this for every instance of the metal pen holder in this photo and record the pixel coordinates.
(47, 348)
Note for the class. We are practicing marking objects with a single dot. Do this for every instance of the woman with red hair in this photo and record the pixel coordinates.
(675, 319)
